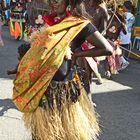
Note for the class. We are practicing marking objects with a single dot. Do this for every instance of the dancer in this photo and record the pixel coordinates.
(47, 89)
(125, 39)
(116, 25)
(98, 16)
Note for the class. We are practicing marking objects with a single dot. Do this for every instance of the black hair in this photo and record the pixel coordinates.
(22, 49)
(67, 2)
(73, 3)
(128, 5)
(80, 9)
(98, 1)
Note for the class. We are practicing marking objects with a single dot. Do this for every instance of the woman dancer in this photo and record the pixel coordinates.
(99, 17)
(48, 90)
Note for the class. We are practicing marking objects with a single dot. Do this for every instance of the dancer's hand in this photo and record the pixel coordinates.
(9, 72)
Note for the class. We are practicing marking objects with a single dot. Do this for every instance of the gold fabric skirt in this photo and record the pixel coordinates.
(65, 113)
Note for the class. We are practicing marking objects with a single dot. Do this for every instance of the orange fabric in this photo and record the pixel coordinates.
(17, 30)
(12, 32)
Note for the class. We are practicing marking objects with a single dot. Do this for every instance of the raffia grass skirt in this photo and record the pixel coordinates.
(72, 121)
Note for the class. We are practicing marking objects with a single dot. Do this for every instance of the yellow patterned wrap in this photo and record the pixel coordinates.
(41, 62)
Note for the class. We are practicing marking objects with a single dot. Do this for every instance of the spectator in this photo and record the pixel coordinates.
(125, 39)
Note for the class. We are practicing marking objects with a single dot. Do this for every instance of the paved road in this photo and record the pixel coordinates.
(118, 101)
(11, 125)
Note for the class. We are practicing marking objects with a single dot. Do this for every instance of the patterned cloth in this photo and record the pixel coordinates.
(41, 62)
(113, 60)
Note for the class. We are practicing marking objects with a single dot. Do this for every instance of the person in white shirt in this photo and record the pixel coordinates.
(125, 39)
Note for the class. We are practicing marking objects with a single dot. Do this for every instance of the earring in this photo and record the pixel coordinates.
(68, 10)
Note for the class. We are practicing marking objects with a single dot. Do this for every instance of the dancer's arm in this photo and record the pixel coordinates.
(102, 48)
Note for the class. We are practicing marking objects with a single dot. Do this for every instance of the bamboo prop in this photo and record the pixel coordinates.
(115, 6)
(130, 51)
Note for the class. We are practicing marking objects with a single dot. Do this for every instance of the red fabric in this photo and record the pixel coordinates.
(49, 19)
(113, 60)
(85, 46)
(69, 13)
(11, 30)
(17, 30)
(52, 19)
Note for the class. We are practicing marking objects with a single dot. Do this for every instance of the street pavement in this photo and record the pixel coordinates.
(117, 100)
(11, 124)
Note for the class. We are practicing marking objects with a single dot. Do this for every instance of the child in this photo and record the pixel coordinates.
(22, 49)
(126, 39)
(1, 40)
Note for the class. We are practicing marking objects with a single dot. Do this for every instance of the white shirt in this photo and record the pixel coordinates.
(126, 39)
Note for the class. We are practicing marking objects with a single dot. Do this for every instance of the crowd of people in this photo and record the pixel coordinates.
(14, 13)
(65, 41)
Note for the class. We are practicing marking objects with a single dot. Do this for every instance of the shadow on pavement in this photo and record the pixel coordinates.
(120, 110)
(119, 114)
(130, 76)
(5, 105)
